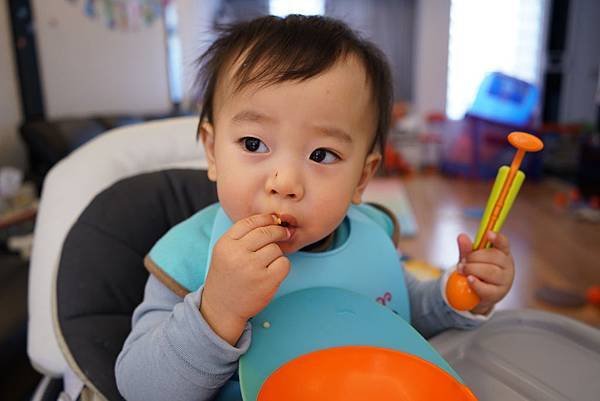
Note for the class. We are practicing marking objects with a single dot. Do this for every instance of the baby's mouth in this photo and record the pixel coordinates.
(289, 222)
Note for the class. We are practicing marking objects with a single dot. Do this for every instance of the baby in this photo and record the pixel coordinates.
(294, 118)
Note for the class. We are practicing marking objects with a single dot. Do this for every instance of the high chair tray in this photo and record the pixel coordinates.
(526, 355)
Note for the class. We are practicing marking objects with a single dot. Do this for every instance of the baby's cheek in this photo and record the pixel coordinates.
(233, 206)
(328, 222)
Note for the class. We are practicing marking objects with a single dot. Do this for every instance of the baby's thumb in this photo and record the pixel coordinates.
(465, 246)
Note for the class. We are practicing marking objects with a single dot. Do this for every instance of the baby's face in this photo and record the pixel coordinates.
(300, 150)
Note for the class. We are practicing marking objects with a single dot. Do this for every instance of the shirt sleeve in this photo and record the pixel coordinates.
(429, 311)
(172, 353)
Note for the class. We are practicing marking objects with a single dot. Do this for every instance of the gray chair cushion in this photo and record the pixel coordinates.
(101, 276)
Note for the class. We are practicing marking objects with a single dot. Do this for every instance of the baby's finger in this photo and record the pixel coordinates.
(268, 253)
(486, 272)
(488, 255)
(487, 292)
(261, 236)
(279, 269)
(244, 226)
(465, 246)
(500, 242)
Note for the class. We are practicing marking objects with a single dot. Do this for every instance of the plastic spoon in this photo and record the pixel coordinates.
(506, 187)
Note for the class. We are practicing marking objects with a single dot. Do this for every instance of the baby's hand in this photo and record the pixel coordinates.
(490, 271)
(246, 269)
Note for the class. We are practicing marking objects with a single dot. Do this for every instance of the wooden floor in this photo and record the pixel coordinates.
(550, 246)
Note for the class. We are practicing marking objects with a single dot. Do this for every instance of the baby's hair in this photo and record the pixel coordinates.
(294, 48)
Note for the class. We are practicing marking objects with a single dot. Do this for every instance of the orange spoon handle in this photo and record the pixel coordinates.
(514, 167)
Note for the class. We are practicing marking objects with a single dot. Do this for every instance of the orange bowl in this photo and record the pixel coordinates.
(353, 373)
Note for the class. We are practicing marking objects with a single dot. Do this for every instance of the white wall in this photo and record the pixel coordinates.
(87, 68)
(12, 151)
(431, 55)
(195, 25)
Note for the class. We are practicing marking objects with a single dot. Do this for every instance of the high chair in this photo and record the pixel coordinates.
(104, 206)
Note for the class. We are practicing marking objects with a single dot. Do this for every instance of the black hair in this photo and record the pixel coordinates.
(294, 48)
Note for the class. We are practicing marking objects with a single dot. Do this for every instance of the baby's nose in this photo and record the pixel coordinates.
(285, 183)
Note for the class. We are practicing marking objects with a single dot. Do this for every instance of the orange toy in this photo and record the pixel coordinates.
(340, 374)
(592, 295)
(505, 190)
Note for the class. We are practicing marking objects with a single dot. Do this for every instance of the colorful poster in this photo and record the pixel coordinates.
(124, 15)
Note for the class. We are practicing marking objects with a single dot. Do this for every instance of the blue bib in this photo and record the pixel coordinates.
(339, 285)
(366, 263)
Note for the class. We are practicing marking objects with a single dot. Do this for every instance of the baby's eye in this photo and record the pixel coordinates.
(323, 156)
(253, 145)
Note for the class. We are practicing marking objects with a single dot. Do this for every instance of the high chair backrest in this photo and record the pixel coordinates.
(70, 186)
(101, 276)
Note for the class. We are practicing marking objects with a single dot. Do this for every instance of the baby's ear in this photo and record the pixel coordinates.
(371, 163)
(206, 133)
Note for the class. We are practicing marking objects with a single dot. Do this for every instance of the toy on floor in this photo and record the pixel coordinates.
(586, 209)
(394, 163)
(567, 298)
(505, 190)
